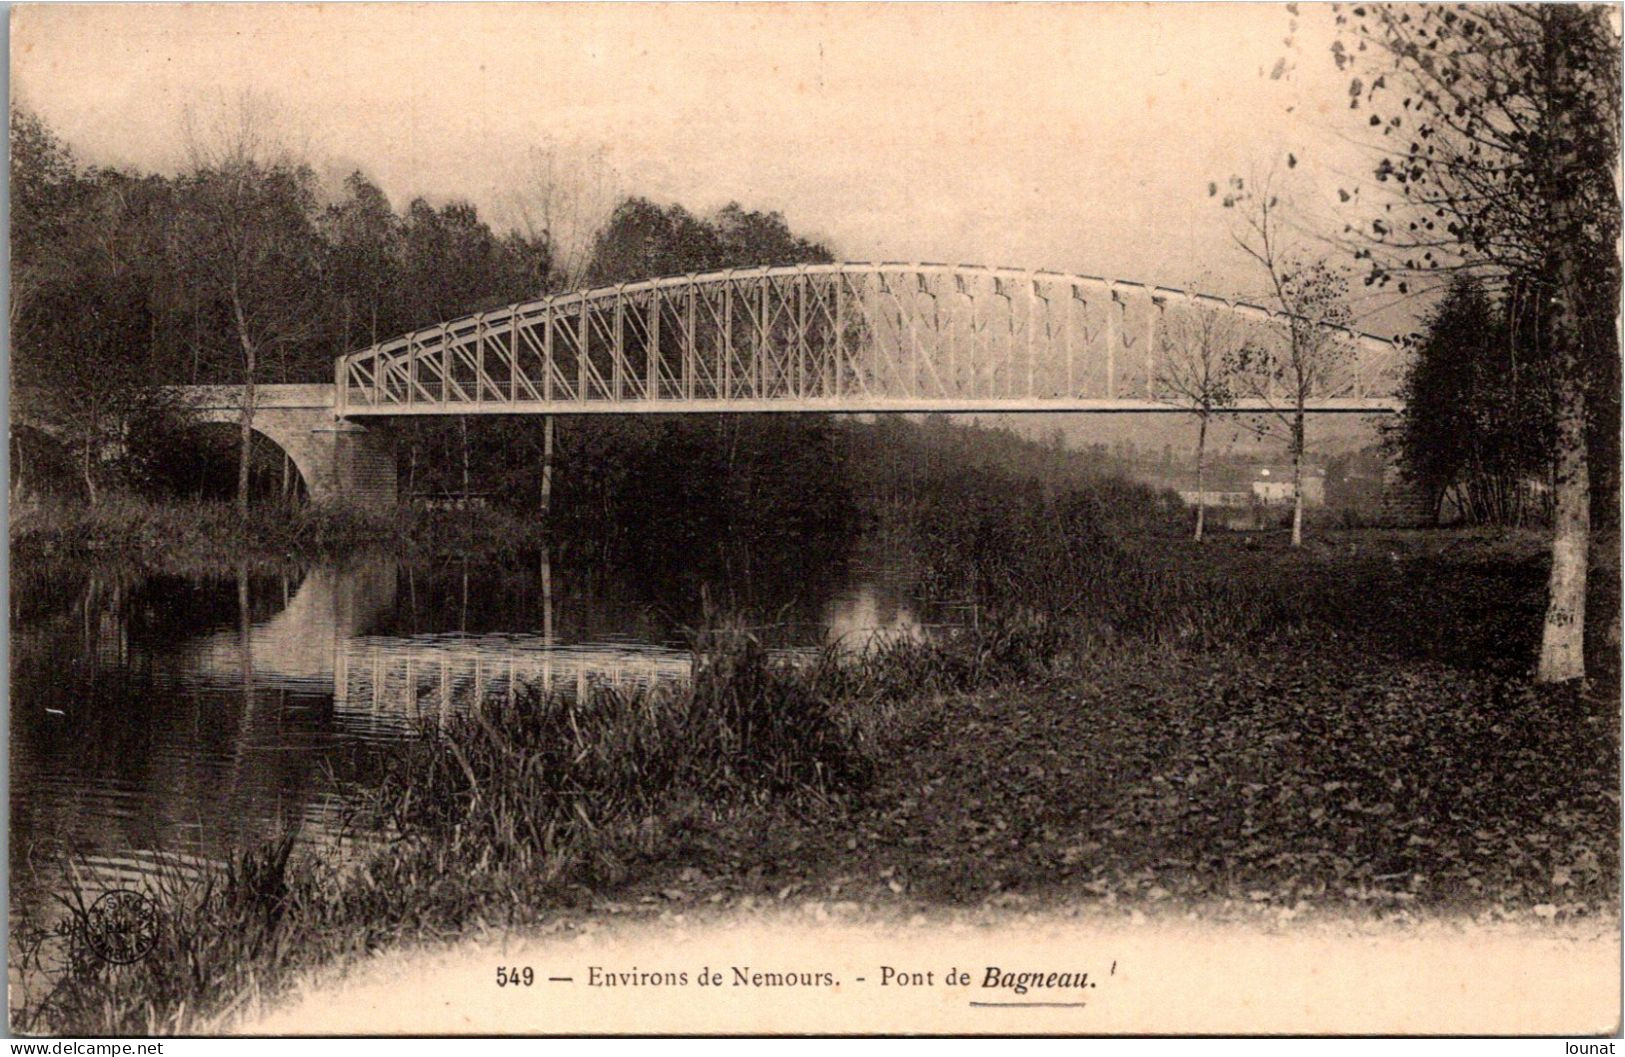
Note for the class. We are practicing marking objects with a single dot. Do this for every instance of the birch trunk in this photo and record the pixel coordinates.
(1201, 477)
(1297, 479)
(1562, 639)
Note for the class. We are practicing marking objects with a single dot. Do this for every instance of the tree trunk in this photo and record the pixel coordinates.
(246, 451)
(1562, 640)
(1297, 479)
(85, 470)
(547, 595)
(462, 429)
(1201, 483)
(547, 464)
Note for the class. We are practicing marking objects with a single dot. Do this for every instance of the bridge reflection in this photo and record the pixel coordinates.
(175, 719)
(331, 638)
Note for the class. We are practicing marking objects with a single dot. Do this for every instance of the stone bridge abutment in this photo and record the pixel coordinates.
(340, 462)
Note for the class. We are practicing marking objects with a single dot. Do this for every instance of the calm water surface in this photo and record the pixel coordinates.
(188, 716)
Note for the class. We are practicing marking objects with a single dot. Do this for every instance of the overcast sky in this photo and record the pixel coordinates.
(1078, 137)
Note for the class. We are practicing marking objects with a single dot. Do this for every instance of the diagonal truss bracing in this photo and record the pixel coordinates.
(842, 337)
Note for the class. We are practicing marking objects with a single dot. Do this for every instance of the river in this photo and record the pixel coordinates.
(173, 718)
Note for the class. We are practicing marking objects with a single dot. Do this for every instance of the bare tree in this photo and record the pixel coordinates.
(1199, 352)
(1283, 374)
(566, 199)
(246, 242)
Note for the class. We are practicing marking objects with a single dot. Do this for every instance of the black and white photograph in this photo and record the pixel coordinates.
(837, 519)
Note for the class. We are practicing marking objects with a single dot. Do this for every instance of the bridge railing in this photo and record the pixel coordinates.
(843, 337)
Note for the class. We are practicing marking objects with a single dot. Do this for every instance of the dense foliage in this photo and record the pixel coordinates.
(1476, 433)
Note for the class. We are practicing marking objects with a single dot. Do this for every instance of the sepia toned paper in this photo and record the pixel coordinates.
(1073, 140)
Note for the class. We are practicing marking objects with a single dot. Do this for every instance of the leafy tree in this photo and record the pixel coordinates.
(750, 237)
(246, 245)
(82, 310)
(1499, 129)
(45, 189)
(1475, 425)
(361, 237)
(44, 183)
(87, 384)
(642, 241)
(452, 264)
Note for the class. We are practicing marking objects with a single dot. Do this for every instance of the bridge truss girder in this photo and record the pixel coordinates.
(841, 338)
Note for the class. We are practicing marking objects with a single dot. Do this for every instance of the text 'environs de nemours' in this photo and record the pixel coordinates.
(731, 976)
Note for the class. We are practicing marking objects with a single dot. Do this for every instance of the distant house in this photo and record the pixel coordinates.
(1273, 485)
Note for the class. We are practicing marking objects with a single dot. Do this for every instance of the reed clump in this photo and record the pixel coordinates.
(544, 782)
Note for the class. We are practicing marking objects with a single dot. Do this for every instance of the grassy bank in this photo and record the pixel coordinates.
(1234, 730)
(188, 534)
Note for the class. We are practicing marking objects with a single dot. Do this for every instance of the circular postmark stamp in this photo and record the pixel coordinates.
(121, 927)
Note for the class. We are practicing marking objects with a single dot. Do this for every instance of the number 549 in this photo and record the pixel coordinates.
(508, 976)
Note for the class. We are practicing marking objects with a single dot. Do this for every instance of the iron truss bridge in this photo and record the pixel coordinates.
(850, 338)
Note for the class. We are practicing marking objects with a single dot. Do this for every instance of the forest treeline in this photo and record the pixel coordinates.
(1478, 434)
(244, 267)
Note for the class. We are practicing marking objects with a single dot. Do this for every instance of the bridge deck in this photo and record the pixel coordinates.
(856, 406)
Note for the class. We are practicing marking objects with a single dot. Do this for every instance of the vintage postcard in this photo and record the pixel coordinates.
(856, 519)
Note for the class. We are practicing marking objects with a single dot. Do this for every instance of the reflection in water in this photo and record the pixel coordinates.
(193, 716)
(866, 615)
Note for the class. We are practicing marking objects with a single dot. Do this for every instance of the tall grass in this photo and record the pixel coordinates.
(180, 532)
(486, 820)
(545, 782)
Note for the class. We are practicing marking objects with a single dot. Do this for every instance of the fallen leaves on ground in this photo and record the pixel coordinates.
(1372, 771)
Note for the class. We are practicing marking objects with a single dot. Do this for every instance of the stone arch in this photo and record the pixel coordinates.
(338, 461)
(286, 439)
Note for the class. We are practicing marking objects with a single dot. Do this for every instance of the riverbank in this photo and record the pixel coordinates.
(1385, 756)
(1248, 735)
(178, 534)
